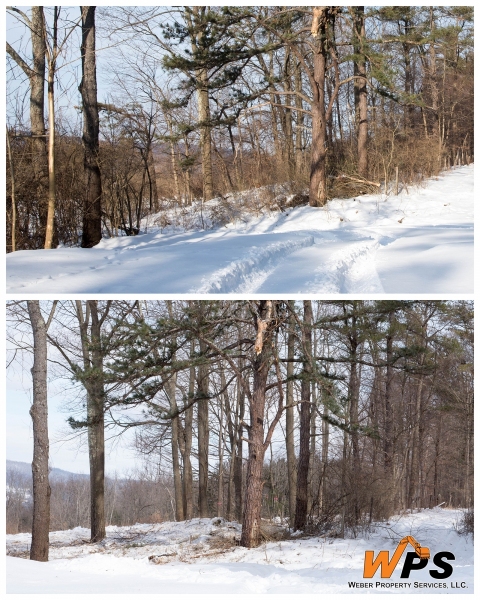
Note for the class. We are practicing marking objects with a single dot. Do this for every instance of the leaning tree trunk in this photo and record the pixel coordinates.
(39, 414)
(92, 207)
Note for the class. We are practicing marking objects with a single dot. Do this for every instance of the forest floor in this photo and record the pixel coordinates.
(418, 242)
(201, 556)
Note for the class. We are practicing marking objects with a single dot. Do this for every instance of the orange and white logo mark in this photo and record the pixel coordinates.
(388, 565)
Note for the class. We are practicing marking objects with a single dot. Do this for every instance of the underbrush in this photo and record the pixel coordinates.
(465, 524)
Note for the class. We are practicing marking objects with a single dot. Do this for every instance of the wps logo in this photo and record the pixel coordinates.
(414, 561)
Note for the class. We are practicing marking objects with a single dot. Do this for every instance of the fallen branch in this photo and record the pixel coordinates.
(343, 176)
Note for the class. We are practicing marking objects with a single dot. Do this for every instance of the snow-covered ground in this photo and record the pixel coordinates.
(199, 556)
(420, 241)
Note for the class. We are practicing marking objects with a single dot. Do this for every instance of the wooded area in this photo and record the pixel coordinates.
(200, 102)
(325, 414)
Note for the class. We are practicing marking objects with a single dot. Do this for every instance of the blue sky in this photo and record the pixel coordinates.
(70, 455)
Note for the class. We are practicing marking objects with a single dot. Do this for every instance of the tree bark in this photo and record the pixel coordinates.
(290, 421)
(203, 106)
(170, 388)
(12, 178)
(36, 77)
(318, 175)
(414, 491)
(305, 418)
(187, 464)
(51, 136)
(388, 437)
(39, 414)
(37, 115)
(287, 117)
(93, 380)
(92, 207)
(238, 467)
(203, 435)
(360, 85)
(96, 430)
(353, 397)
(265, 326)
(299, 136)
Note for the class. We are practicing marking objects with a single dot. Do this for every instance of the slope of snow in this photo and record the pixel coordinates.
(190, 561)
(420, 241)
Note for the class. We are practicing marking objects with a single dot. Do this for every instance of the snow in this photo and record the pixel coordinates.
(199, 557)
(420, 241)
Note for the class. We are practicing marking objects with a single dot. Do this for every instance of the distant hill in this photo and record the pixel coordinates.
(26, 469)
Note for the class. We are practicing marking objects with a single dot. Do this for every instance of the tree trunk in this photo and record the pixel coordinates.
(290, 421)
(39, 414)
(12, 178)
(51, 136)
(388, 436)
(299, 159)
(152, 179)
(353, 397)
(170, 388)
(305, 418)
(256, 445)
(256, 453)
(197, 24)
(94, 385)
(325, 447)
(96, 430)
(287, 118)
(360, 71)
(238, 468)
(187, 464)
(414, 483)
(203, 435)
(37, 115)
(36, 77)
(318, 174)
(92, 208)
(432, 76)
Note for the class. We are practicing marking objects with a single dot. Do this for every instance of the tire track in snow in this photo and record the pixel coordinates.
(349, 271)
(245, 275)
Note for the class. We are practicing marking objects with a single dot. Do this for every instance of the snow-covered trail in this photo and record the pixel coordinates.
(418, 242)
(314, 565)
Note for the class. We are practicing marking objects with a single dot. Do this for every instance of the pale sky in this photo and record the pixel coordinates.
(68, 454)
